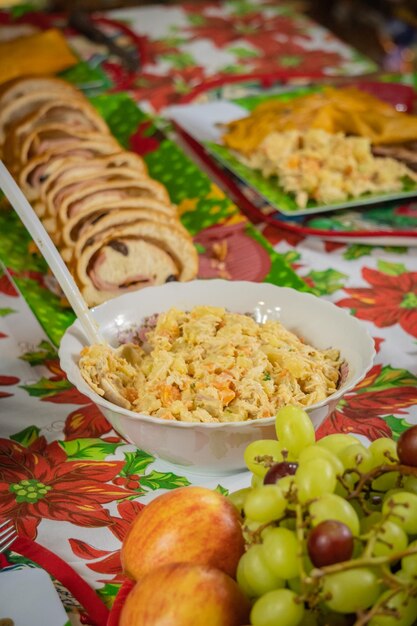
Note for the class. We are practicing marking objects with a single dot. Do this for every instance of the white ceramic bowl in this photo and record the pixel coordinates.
(217, 448)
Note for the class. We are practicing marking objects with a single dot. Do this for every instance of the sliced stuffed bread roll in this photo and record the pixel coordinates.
(72, 169)
(99, 224)
(77, 115)
(20, 87)
(35, 173)
(93, 184)
(131, 257)
(76, 227)
(113, 224)
(17, 109)
(87, 197)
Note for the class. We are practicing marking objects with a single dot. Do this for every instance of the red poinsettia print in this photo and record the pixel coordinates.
(384, 391)
(143, 141)
(378, 341)
(6, 381)
(87, 421)
(120, 77)
(161, 91)
(252, 27)
(40, 482)
(65, 396)
(286, 55)
(157, 48)
(275, 235)
(389, 300)
(56, 389)
(54, 367)
(108, 562)
(7, 287)
(332, 246)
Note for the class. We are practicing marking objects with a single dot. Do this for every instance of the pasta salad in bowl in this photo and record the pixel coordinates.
(193, 372)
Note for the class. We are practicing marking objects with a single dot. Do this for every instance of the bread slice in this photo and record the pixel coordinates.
(71, 170)
(50, 137)
(34, 174)
(120, 211)
(17, 109)
(88, 196)
(19, 87)
(99, 224)
(80, 186)
(133, 256)
(75, 114)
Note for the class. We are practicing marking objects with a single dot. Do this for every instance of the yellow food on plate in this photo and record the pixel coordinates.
(327, 168)
(211, 365)
(36, 54)
(348, 110)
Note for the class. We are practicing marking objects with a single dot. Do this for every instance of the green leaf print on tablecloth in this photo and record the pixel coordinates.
(390, 378)
(179, 60)
(392, 269)
(6, 311)
(27, 436)
(163, 480)
(244, 53)
(358, 250)
(45, 351)
(327, 281)
(136, 462)
(46, 387)
(94, 449)
(397, 425)
(222, 490)
(108, 593)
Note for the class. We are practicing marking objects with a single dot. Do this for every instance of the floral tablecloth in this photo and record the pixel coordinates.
(214, 42)
(66, 479)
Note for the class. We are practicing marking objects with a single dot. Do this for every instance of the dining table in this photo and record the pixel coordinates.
(69, 483)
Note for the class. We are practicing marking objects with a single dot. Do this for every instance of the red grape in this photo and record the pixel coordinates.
(407, 447)
(279, 470)
(330, 542)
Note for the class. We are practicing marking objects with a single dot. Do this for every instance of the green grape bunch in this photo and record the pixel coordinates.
(330, 528)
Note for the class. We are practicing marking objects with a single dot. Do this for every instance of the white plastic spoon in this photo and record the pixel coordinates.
(50, 253)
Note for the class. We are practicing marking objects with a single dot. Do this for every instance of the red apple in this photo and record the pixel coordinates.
(188, 524)
(185, 594)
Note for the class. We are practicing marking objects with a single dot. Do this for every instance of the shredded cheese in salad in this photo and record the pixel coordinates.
(210, 365)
